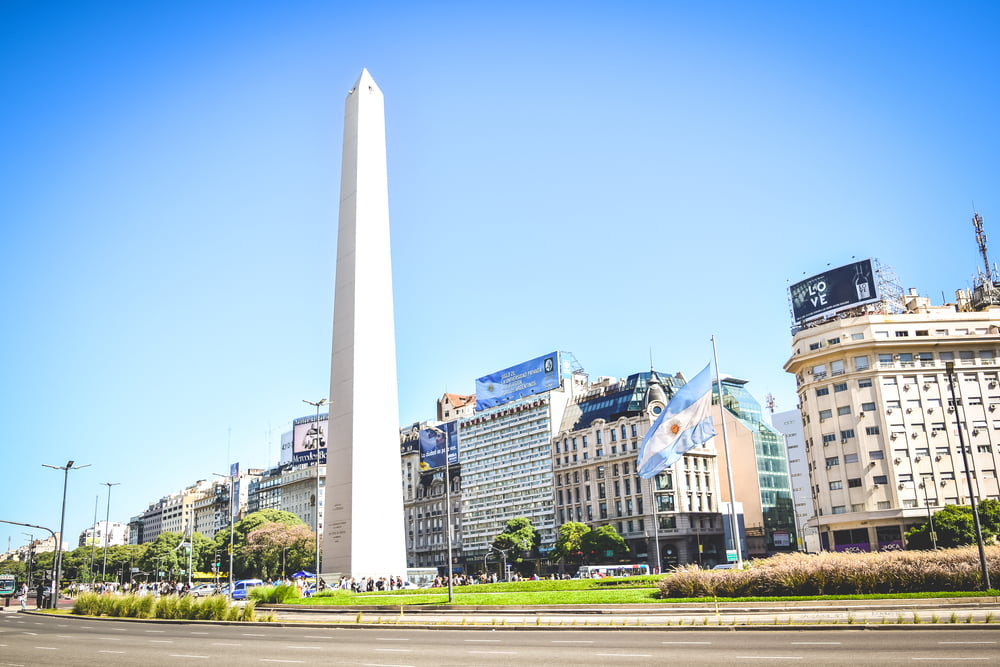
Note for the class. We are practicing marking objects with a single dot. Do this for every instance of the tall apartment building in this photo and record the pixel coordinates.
(883, 426)
(789, 425)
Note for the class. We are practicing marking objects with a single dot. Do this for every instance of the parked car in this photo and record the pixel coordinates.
(241, 588)
(202, 590)
(725, 566)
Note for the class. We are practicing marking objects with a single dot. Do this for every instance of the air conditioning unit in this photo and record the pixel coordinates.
(914, 436)
(993, 407)
(906, 387)
(909, 410)
(874, 486)
(937, 458)
(943, 482)
(926, 386)
(930, 410)
(951, 408)
(975, 431)
(889, 411)
(843, 441)
(897, 460)
(871, 464)
(861, 414)
(826, 444)
(917, 459)
(893, 436)
(901, 487)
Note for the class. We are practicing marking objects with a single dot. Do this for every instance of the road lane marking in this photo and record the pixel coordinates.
(312, 647)
(155, 630)
(273, 660)
(183, 655)
(111, 651)
(625, 655)
(379, 664)
(47, 648)
(225, 644)
(572, 641)
(330, 637)
(395, 650)
(494, 652)
(942, 659)
(199, 633)
(769, 657)
(161, 641)
(693, 643)
(391, 639)
(247, 634)
(495, 641)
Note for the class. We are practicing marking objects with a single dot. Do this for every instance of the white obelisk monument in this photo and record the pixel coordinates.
(363, 528)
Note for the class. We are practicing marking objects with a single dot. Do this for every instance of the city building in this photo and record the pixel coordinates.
(105, 533)
(789, 424)
(884, 426)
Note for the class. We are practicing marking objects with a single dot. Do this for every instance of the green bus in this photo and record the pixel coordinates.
(8, 585)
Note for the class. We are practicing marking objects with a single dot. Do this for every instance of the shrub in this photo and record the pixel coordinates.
(275, 594)
(831, 573)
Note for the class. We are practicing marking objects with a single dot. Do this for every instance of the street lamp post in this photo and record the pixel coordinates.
(31, 555)
(447, 500)
(107, 516)
(62, 526)
(284, 570)
(930, 515)
(950, 372)
(319, 443)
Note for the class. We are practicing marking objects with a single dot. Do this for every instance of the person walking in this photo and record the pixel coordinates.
(39, 595)
(22, 597)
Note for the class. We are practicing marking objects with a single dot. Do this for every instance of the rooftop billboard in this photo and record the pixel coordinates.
(833, 290)
(309, 439)
(531, 377)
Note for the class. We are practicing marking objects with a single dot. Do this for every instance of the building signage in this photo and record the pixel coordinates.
(309, 439)
(432, 445)
(834, 290)
(532, 377)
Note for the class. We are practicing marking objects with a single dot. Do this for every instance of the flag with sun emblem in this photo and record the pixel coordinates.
(685, 423)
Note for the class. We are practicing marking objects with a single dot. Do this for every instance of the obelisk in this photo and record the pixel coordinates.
(363, 532)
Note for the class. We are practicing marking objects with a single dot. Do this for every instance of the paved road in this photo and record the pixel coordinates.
(28, 639)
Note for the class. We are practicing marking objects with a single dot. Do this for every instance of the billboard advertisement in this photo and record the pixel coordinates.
(433, 441)
(833, 290)
(532, 377)
(286, 448)
(309, 439)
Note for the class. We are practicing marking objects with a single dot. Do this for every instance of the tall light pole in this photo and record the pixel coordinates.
(31, 555)
(960, 423)
(930, 515)
(319, 443)
(62, 526)
(107, 516)
(447, 500)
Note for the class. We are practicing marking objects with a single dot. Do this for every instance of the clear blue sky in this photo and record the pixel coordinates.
(604, 179)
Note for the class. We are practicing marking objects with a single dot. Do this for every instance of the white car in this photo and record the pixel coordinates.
(202, 590)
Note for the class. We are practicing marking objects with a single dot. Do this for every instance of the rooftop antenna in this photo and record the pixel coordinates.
(977, 222)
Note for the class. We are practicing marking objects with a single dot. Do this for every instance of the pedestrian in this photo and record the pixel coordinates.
(22, 597)
(39, 595)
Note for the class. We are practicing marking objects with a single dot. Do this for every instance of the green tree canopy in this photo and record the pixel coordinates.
(604, 545)
(248, 563)
(519, 539)
(955, 527)
(569, 543)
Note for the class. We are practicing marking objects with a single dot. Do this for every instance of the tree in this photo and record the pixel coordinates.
(275, 545)
(603, 544)
(246, 563)
(519, 538)
(955, 527)
(569, 543)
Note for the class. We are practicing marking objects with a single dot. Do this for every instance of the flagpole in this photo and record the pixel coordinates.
(656, 526)
(733, 523)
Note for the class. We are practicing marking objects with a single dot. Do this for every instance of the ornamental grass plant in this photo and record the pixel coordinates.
(212, 608)
(832, 573)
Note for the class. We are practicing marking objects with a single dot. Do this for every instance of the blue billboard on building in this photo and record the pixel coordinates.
(531, 377)
(433, 441)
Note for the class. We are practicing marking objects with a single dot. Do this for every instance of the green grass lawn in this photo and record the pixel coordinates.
(633, 590)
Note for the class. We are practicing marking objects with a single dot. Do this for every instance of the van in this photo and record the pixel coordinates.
(242, 588)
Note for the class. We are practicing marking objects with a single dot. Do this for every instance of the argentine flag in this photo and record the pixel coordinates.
(685, 423)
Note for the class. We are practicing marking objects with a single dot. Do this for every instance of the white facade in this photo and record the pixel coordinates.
(105, 533)
(882, 432)
(364, 531)
(789, 424)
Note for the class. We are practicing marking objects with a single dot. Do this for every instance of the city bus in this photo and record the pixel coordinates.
(598, 571)
(8, 585)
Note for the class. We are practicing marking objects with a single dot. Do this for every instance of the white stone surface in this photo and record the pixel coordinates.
(363, 533)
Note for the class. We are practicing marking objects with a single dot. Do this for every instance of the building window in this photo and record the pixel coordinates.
(836, 485)
(876, 455)
(860, 363)
(841, 386)
(847, 434)
(880, 479)
(844, 410)
(854, 482)
(839, 509)
(868, 407)
(871, 430)
(823, 391)
(825, 414)
(832, 461)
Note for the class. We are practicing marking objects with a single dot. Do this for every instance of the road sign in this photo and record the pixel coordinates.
(731, 555)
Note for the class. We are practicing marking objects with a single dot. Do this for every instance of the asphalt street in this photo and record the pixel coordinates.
(29, 639)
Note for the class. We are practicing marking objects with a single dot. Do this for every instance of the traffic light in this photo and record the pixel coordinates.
(218, 562)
